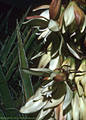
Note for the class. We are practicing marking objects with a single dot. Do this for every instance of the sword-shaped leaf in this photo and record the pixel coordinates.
(24, 64)
(38, 71)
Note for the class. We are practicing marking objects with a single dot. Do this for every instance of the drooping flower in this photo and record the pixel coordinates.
(56, 95)
(52, 93)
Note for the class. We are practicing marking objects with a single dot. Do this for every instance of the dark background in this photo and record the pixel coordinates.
(23, 3)
(18, 7)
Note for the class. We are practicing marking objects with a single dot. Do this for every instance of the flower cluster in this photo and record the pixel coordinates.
(62, 94)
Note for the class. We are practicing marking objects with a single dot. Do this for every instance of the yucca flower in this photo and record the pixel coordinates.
(80, 79)
(53, 92)
(57, 19)
(78, 107)
(48, 16)
(63, 84)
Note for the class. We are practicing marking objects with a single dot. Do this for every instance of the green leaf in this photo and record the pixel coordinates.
(24, 64)
(37, 22)
(4, 90)
(11, 41)
(38, 71)
(4, 22)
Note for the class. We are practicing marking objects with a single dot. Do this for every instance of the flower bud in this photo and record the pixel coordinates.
(54, 9)
(73, 17)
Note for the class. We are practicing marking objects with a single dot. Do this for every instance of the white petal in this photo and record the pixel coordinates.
(31, 106)
(75, 107)
(69, 15)
(82, 108)
(53, 102)
(45, 59)
(38, 94)
(45, 14)
(37, 55)
(68, 98)
(44, 34)
(43, 113)
(48, 85)
(53, 26)
(73, 52)
(54, 63)
(84, 25)
(41, 7)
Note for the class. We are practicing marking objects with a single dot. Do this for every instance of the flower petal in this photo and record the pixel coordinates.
(53, 26)
(82, 108)
(45, 14)
(68, 98)
(43, 113)
(41, 7)
(35, 17)
(73, 52)
(69, 18)
(31, 106)
(54, 63)
(53, 102)
(59, 90)
(54, 9)
(75, 107)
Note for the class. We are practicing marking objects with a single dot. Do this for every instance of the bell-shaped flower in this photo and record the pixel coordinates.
(80, 78)
(78, 107)
(74, 18)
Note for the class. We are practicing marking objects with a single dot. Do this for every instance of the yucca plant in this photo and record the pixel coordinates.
(61, 29)
(15, 86)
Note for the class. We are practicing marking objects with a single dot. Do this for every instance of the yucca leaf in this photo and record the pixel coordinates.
(5, 95)
(3, 47)
(2, 115)
(11, 41)
(38, 71)
(30, 41)
(35, 49)
(4, 22)
(13, 54)
(11, 68)
(24, 64)
(8, 46)
(4, 90)
(37, 22)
